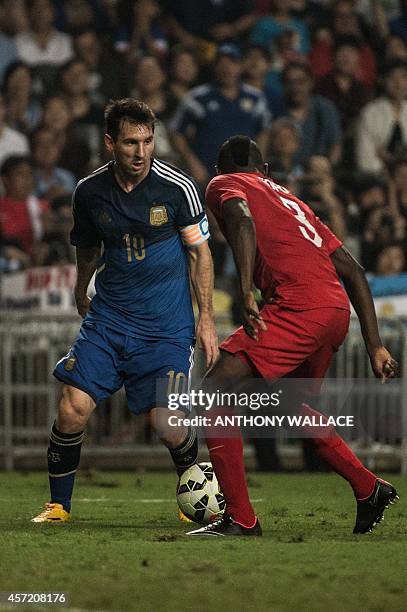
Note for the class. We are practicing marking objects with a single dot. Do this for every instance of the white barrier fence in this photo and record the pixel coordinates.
(30, 345)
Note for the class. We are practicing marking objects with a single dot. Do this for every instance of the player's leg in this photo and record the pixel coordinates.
(90, 374)
(226, 454)
(181, 441)
(241, 360)
(154, 369)
(332, 448)
(64, 451)
(372, 494)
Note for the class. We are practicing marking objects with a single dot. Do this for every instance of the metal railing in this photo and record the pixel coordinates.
(30, 345)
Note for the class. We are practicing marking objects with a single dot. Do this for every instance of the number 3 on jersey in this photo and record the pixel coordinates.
(307, 230)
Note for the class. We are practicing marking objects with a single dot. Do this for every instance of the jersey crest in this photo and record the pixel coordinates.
(158, 215)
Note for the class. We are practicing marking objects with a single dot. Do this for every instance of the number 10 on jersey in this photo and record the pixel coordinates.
(135, 247)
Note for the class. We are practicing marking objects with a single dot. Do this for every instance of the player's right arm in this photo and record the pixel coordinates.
(228, 202)
(86, 264)
(85, 238)
(353, 277)
(240, 233)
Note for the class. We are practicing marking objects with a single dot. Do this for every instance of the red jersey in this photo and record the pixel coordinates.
(293, 265)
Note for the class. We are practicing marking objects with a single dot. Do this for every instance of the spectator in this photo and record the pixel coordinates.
(380, 221)
(279, 21)
(150, 87)
(13, 17)
(76, 153)
(56, 114)
(55, 247)
(345, 21)
(75, 16)
(8, 49)
(212, 113)
(184, 72)
(50, 180)
(316, 117)
(21, 212)
(312, 12)
(23, 110)
(106, 77)
(256, 66)
(382, 128)
(398, 185)
(282, 149)
(11, 141)
(12, 256)
(320, 192)
(200, 25)
(391, 260)
(74, 80)
(87, 115)
(342, 86)
(140, 29)
(42, 44)
(398, 25)
(395, 49)
(369, 192)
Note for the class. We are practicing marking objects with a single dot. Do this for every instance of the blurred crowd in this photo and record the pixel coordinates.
(321, 86)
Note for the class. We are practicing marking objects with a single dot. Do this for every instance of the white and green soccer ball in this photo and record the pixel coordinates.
(198, 494)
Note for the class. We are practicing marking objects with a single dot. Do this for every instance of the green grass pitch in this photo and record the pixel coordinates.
(125, 549)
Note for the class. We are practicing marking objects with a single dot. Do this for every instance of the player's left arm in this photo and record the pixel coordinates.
(202, 278)
(353, 277)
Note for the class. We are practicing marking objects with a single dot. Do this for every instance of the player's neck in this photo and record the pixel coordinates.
(126, 182)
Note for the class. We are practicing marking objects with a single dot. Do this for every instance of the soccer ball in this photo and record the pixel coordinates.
(198, 494)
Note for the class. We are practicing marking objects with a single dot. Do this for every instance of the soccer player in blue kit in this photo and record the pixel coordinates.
(139, 327)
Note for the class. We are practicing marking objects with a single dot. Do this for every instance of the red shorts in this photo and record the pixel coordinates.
(295, 344)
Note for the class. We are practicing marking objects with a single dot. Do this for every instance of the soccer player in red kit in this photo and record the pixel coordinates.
(281, 247)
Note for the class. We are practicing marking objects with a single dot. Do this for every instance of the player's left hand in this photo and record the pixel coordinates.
(383, 364)
(207, 338)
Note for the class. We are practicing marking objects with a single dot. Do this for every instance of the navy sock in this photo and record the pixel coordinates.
(186, 453)
(64, 452)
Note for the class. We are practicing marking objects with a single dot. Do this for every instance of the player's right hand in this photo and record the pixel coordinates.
(82, 304)
(251, 318)
(383, 364)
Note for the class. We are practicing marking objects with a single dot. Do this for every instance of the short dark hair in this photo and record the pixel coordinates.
(239, 152)
(12, 162)
(127, 109)
(346, 40)
(399, 160)
(365, 181)
(261, 49)
(393, 65)
(296, 66)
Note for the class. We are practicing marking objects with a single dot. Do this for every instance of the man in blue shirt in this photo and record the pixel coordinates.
(316, 117)
(138, 330)
(211, 113)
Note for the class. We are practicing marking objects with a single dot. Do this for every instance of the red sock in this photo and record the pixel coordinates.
(227, 459)
(334, 450)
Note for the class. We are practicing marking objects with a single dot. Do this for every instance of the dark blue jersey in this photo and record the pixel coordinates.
(142, 283)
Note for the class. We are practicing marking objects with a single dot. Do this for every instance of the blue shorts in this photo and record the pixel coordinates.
(102, 360)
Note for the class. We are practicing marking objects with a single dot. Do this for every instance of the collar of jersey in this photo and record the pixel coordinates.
(116, 182)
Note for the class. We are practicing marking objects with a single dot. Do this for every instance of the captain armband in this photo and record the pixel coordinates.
(194, 235)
